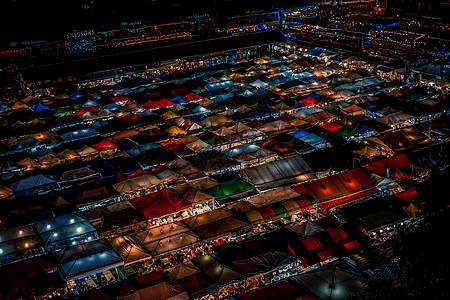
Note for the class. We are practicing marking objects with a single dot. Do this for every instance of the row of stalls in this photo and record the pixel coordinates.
(112, 176)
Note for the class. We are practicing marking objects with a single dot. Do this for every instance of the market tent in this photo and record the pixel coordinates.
(276, 127)
(171, 243)
(338, 189)
(72, 176)
(395, 118)
(279, 210)
(198, 285)
(310, 101)
(216, 120)
(280, 172)
(18, 239)
(162, 291)
(367, 152)
(87, 153)
(160, 203)
(183, 270)
(216, 271)
(273, 196)
(105, 145)
(314, 140)
(5, 192)
(280, 290)
(143, 182)
(221, 227)
(331, 126)
(129, 249)
(196, 197)
(208, 217)
(320, 117)
(34, 185)
(263, 262)
(230, 189)
(336, 280)
(306, 228)
(353, 110)
(87, 259)
(68, 156)
(393, 163)
(64, 229)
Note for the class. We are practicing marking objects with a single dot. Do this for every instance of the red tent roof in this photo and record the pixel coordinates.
(180, 149)
(338, 189)
(285, 117)
(105, 145)
(180, 91)
(331, 126)
(150, 105)
(119, 98)
(255, 123)
(129, 117)
(137, 173)
(311, 243)
(193, 97)
(407, 195)
(160, 203)
(165, 103)
(378, 167)
(337, 234)
(86, 109)
(310, 101)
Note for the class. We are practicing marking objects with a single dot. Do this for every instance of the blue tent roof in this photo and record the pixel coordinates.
(314, 140)
(111, 167)
(299, 133)
(179, 100)
(39, 107)
(76, 95)
(314, 95)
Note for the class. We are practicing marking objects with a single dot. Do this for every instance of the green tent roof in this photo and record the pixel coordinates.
(229, 188)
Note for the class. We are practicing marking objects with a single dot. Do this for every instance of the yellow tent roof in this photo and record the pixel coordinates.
(5, 192)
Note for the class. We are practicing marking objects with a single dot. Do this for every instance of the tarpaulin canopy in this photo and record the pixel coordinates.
(380, 166)
(280, 290)
(216, 271)
(183, 270)
(338, 189)
(229, 188)
(105, 145)
(263, 263)
(129, 249)
(336, 280)
(87, 259)
(160, 203)
(273, 196)
(138, 183)
(306, 228)
(162, 290)
(18, 239)
(34, 185)
(65, 228)
(280, 172)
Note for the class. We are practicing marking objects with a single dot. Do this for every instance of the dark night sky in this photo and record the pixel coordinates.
(47, 19)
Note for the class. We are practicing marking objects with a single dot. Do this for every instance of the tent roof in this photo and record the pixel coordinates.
(86, 259)
(336, 280)
(129, 249)
(337, 189)
(277, 172)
